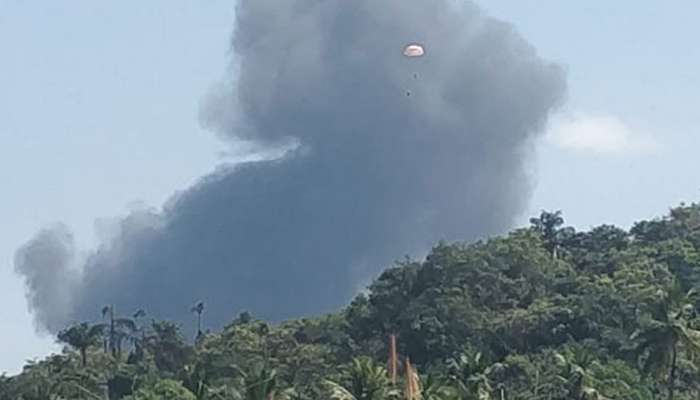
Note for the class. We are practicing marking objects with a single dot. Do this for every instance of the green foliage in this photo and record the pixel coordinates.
(164, 390)
(81, 337)
(541, 313)
(363, 379)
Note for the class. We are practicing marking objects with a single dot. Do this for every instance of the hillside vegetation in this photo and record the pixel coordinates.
(545, 312)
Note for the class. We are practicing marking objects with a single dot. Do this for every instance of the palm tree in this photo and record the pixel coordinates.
(136, 319)
(364, 380)
(667, 332)
(81, 337)
(198, 309)
(137, 340)
(431, 388)
(140, 313)
(469, 373)
(260, 383)
(167, 346)
(575, 366)
(548, 226)
(434, 388)
(574, 374)
(208, 373)
(119, 330)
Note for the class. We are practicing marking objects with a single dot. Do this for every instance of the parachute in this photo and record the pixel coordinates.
(413, 50)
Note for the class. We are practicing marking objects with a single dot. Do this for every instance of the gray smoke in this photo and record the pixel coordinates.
(45, 262)
(387, 155)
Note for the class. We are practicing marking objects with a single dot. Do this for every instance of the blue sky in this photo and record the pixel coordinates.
(99, 104)
(633, 63)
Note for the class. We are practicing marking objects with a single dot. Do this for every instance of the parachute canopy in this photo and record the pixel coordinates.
(413, 50)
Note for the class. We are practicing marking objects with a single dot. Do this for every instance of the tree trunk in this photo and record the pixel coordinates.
(393, 360)
(112, 333)
(672, 374)
(83, 357)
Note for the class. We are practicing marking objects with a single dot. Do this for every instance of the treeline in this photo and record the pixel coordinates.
(545, 312)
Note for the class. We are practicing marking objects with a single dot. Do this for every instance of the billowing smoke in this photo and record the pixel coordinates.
(388, 154)
(45, 262)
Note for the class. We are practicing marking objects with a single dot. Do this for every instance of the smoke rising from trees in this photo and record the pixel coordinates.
(370, 173)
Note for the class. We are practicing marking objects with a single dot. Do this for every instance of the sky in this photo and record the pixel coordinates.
(99, 111)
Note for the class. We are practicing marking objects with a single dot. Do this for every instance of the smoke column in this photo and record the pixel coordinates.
(386, 155)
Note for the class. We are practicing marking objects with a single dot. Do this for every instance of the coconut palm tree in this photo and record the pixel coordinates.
(661, 338)
(81, 337)
(576, 366)
(118, 329)
(261, 382)
(138, 338)
(434, 388)
(469, 374)
(364, 380)
(574, 376)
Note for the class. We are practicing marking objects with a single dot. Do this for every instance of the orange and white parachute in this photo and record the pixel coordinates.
(413, 50)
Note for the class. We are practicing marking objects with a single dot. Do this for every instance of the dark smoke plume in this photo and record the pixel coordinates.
(45, 262)
(387, 155)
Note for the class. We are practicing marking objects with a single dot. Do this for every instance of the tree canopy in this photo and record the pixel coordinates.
(544, 312)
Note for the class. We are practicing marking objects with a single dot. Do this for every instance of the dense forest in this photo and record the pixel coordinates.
(546, 312)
